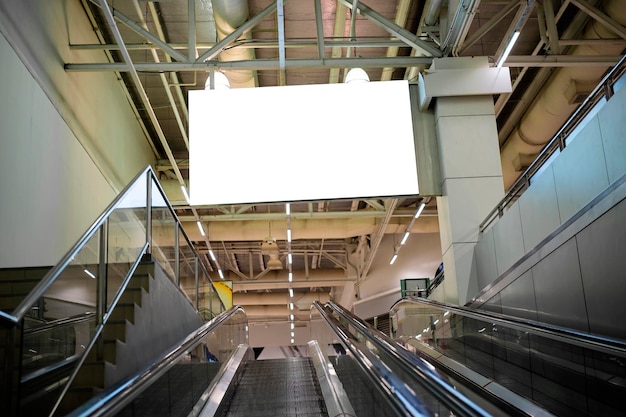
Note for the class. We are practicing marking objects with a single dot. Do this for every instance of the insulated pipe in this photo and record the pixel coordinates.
(557, 99)
(229, 15)
(433, 8)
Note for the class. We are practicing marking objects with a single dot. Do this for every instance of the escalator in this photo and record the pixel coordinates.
(276, 387)
(567, 372)
(354, 375)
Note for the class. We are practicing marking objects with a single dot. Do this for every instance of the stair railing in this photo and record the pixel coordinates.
(97, 269)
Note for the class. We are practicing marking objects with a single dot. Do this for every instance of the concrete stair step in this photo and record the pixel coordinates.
(132, 295)
(123, 311)
(91, 374)
(115, 329)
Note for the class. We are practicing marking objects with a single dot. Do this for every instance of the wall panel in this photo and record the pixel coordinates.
(559, 289)
(486, 266)
(518, 299)
(613, 128)
(580, 171)
(539, 210)
(603, 267)
(508, 239)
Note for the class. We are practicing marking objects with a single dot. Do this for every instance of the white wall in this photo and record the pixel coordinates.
(419, 257)
(69, 141)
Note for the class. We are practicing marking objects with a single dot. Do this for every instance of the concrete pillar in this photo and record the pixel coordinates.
(471, 172)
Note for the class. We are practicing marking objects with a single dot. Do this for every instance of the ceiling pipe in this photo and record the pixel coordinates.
(229, 15)
(460, 23)
(402, 13)
(558, 99)
(431, 15)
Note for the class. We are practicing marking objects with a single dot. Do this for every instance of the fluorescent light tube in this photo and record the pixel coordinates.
(200, 228)
(419, 210)
(508, 48)
(184, 189)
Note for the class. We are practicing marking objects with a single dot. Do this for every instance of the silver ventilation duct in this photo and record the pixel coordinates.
(229, 15)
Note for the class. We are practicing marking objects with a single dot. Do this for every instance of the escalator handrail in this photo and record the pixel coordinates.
(401, 396)
(561, 334)
(429, 379)
(112, 400)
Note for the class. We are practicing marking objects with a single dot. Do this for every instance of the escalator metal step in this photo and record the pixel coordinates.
(277, 387)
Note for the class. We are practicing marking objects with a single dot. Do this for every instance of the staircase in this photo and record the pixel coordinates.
(91, 377)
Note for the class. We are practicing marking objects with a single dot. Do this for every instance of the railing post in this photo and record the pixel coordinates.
(195, 267)
(177, 254)
(101, 295)
(149, 212)
(211, 299)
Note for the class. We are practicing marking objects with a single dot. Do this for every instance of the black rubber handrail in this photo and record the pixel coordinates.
(429, 379)
(585, 340)
(400, 396)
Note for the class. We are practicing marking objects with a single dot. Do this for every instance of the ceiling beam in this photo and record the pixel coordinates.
(141, 32)
(375, 240)
(490, 24)
(563, 61)
(257, 64)
(243, 44)
(401, 33)
(319, 29)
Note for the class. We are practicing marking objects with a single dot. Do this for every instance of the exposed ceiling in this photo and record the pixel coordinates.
(165, 49)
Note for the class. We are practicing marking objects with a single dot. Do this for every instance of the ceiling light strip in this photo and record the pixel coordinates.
(407, 233)
(291, 304)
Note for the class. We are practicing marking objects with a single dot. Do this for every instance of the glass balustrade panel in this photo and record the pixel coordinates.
(164, 232)
(187, 263)
(126, 236)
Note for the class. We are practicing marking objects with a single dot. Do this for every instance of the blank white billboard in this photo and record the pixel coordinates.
(298, 143)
